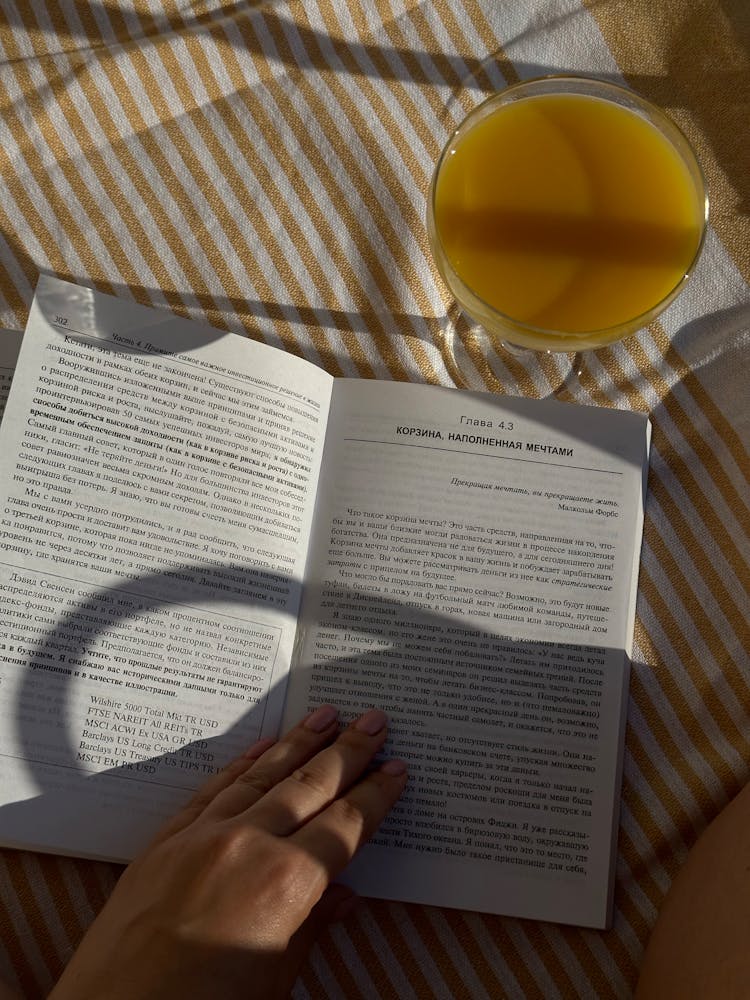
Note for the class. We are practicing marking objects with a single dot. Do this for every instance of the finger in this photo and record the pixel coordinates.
(210, 789)
(335, 835)
(288, 754)
(320, 780)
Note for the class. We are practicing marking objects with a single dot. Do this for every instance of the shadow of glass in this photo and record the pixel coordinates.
(704, 79)
(637, 242)
(716, 340)
(109, 761)
(714, 350)
(259, 319)
(106, 27)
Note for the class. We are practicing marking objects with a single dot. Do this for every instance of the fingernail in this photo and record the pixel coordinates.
(259, 748)
(394, 767)
(371, 722)
(321, 718)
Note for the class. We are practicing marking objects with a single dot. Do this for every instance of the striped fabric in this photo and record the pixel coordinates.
(263, 166)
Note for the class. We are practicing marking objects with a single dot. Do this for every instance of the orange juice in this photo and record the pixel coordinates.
(567, 212)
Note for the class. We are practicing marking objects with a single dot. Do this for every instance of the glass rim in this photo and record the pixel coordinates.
(605, 334)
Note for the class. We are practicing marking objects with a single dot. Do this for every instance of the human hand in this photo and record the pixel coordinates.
(231, 894)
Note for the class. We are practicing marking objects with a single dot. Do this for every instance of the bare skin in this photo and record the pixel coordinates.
(700, 946)
(234, 890)
(229, 897)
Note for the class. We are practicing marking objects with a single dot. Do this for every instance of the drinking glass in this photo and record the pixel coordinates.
(564, 213)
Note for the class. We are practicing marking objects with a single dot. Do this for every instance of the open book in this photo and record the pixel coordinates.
(204, 537)
(10, 345)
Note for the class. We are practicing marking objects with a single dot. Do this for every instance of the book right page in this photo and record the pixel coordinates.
(473, 573)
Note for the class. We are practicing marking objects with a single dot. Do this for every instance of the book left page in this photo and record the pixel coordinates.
(10, 345)
(158, 482)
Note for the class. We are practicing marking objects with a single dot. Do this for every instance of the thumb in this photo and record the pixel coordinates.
(335, 904)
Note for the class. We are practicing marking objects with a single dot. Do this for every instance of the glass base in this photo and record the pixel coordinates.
(476, 361)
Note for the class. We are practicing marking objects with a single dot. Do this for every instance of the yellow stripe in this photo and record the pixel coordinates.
(304, 91)
(204, 183)
(544, 949)
(714, 417)
(710, 699)
(84, 871)
(675, 697)
(601, 978)
(429, 46)
(245, 250)
(703, 449)
(713, 580)
(378, 974)
(14, 945)
(49, 868)
(331, 242)
(492, 45)
(65, 149)
(241, 247)
(601, 981)
(693, 61)
(676, 516)
(642, 877)
(395, 235)
(337, 964)
(385, 916)
(155, 163)
(384, 106)
(296, 232)
(484, 971)
(24, 891)
(450, 976)
(433, 143)
(185, 240)
(499, 930)
(32, 219)
(673, 752)
(108, 183)
(10, 291)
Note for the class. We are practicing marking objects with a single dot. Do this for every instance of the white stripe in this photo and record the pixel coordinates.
(50, 912)
(561, 37)
(698, 539)
(9, 319)
(331, 988)
(173, 202)
(372, 930)
(77, 161)
(451, 946)
(644, 850)
(264, 205)
(531, 960)
(293, 144)
(132, 203)
(671, 716)
(480, 928)
(427, 962)
(15, 907)
(360, 155)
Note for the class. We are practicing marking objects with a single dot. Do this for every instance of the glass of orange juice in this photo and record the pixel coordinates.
(565, 213)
